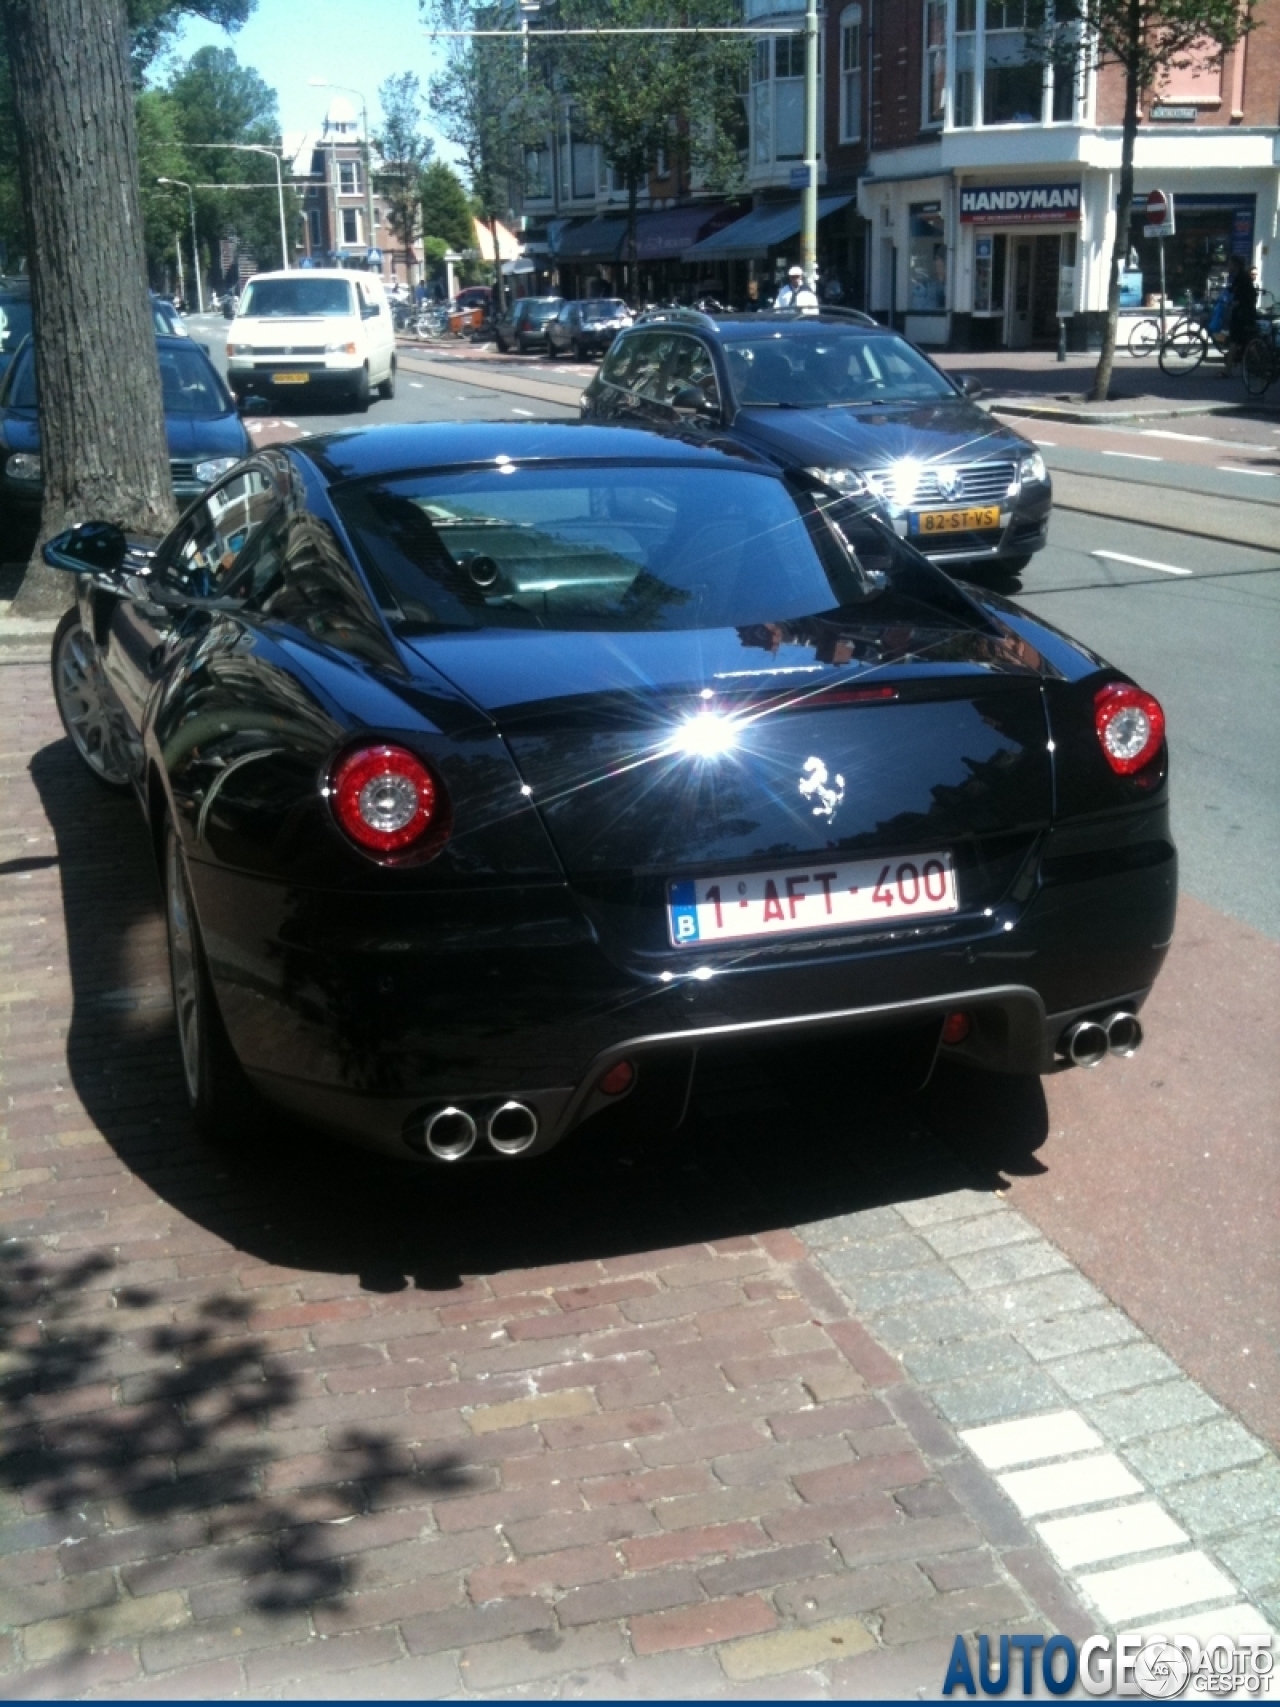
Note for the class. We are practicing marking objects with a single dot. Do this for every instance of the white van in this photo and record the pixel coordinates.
(321, 329)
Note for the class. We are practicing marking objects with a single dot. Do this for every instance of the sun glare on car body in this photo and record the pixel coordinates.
(705, 736)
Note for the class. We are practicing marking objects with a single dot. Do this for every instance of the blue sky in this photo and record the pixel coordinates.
(357, 42)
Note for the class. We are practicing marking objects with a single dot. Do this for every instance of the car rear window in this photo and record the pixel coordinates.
(297, 296)
(826, 371)
(604, 547)
(539, 312)
(603, 308)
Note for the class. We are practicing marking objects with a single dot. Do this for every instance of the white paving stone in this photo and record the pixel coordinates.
(1081, 1481)
(1031, 1439)
(1239, 1620)
(1156, 1586)
(1101, 1535)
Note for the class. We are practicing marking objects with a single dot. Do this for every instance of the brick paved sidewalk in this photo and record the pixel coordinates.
(286, 1421)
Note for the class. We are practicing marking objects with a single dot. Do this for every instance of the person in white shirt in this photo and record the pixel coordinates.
(796, 293)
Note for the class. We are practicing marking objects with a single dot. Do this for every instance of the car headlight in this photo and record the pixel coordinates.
(214, 468)
(846, 481)
(23, 465)
(1033, 470)
(340, 349)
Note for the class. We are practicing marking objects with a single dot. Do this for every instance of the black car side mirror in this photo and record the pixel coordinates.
(688, 400)
(249, 405)
(970, 384)
(90, 548)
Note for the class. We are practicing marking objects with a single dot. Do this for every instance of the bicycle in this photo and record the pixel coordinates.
(1260, 362)
(1144, 337)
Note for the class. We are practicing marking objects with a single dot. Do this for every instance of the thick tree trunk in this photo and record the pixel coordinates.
(1124, 209)
(102, 434)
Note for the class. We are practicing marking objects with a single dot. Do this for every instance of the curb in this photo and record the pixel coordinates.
(1097, 418)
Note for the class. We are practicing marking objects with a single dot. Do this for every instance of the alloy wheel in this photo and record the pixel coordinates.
(84, 702)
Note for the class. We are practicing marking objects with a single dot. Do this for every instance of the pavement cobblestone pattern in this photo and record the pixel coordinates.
(277, 1422)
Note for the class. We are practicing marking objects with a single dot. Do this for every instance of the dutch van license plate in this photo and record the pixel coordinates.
(818, 896)
(959, 521)
(290, 378)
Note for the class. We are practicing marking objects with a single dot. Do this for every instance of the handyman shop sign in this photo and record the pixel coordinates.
(1021, 204)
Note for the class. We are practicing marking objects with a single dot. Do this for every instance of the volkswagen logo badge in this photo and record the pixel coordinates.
(951, 483)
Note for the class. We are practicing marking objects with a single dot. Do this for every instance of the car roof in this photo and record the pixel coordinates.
(798, 321)
(414, 447)
(314, 273)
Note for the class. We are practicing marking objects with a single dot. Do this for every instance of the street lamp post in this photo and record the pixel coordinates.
(324, 83)
(261, 148)
(195, 247)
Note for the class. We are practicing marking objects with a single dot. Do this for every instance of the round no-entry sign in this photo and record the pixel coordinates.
(1159, 219)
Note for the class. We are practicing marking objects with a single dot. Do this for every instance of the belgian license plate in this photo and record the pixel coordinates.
(290, 378)
(958, 521)
(818, 896)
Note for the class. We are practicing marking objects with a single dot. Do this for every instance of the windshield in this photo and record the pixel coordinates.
(603, 308)
(298, 296)
(15, 322)
(839, 367)
(601, 547)
(188, 384)
(540, 311)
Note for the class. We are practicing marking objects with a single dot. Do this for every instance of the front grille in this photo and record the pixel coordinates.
(979, 483)
(288, 349)
(182, 473)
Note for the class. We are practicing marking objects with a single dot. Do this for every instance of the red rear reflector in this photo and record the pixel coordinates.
(620, 1077)
(385, 799)
(1130, 726)
(956, 1027)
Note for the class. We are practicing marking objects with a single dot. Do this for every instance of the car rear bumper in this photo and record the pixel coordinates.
(364, 1036)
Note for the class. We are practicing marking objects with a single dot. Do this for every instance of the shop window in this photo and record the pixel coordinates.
(990, 260)
(927, 259)
(851, 73)
(1067, 275)
(1013, 75)
(935, 61)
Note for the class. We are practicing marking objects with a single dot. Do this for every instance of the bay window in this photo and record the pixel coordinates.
(777, 99)
(935, 62)
(1007, 62)
(851, 73)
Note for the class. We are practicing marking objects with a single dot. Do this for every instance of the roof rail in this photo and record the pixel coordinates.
(854, 314)
(682, 316)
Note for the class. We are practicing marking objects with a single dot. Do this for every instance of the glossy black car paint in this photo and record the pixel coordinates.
(524, 325)
(948, 430)
(531, 953)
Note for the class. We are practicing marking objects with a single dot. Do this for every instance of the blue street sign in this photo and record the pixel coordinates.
(799, 177)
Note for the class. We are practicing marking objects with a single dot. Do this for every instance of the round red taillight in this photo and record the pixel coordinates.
(385, 799)
(1130, 726)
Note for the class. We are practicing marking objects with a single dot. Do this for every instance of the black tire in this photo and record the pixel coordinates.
(1258, 365)
(1184, 349)
(579, 350)
(1011, 565)
(86, 705)
(552, 352)
(1144, 338)
(387, 386)
(219, 1096)
(361, 394)
(502, 348)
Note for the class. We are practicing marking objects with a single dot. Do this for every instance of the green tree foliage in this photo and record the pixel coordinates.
(637, 94)
(486, 104)
(154, 23)
(218, 100)
(160, 155)
(1145, 39)
(446, 212)
(405, 149)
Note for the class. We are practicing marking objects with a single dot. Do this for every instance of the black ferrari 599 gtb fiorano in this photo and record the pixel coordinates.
(497, 772)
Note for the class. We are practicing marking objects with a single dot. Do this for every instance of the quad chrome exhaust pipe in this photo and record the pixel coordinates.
(451, 1133)
(1089, 1041)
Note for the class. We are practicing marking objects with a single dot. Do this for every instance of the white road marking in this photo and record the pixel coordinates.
(1187, 438)
(1048, 444)
(1080, 1481)
(416, 384)
(1002, 1445)
(1261, 473)
(1133, 456)
(1142, 562)
(527, 413)
(291, 423)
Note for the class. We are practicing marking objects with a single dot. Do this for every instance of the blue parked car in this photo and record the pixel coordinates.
(206, 435)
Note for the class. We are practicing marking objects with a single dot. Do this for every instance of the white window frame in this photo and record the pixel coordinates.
(353, 218)
(929, 121)
(851, 74)
(349, 168)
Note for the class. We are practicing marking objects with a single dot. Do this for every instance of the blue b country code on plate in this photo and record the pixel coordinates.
(819, 896)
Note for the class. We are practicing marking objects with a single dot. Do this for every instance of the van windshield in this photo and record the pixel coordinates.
(295, 297)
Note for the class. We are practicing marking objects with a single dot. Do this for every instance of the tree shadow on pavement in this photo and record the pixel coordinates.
(802, 1134)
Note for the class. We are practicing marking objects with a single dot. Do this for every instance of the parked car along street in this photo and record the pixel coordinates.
(15, 318)
(586, 328)
(524, 325)
(821, 800)
(205, 433)
(852, 404)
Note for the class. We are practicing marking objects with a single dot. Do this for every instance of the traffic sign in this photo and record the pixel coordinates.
(1159, 221)
(799, 177)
